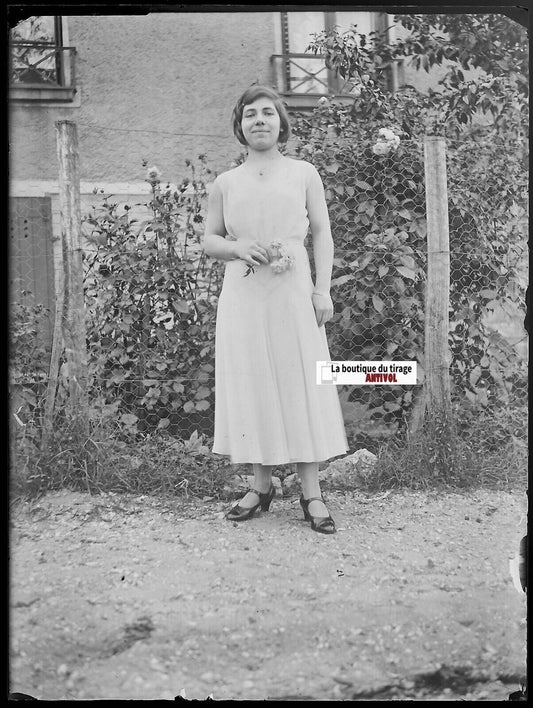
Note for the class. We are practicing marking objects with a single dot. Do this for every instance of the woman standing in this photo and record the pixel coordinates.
(270, 333)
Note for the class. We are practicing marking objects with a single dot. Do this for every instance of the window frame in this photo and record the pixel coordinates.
(281, 77)
(64, 92)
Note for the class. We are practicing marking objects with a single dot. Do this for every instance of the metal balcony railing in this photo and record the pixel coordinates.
(41, 65)
(301, 74)
(301, 78)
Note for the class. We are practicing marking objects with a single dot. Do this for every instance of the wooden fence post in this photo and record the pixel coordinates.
(436, 350)
(57, 349)
(73, 319)
(440, 444)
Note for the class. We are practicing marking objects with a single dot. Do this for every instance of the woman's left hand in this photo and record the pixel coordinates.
(323, 305)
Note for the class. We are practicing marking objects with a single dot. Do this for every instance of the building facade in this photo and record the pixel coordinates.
(158, 87)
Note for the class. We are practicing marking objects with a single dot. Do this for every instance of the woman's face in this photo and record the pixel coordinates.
(261, 124)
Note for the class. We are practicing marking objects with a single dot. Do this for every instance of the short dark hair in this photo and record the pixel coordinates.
(249, 96)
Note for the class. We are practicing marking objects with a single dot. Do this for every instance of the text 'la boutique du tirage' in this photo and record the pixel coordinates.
(366, 372)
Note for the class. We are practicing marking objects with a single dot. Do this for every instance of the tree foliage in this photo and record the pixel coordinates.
(486, 62)
(491, 42)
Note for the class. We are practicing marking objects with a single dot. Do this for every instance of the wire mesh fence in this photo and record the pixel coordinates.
(378, 219)
(488, 190)
(151, 296)
(488, 246)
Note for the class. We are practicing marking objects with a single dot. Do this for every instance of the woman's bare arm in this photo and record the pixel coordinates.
(317, 211)
(321, 232)
(214, 242)
(217, 246)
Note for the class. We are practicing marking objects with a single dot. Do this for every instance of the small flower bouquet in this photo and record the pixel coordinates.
(280, 258)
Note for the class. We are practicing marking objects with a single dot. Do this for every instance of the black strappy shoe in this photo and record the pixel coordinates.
(322, 524)
(240, 513)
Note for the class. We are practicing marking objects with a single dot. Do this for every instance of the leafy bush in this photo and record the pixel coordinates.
(165, 465)
(378, 224)
(111, 460)
(377, 211)
(151, 301)
(29, 357)
(487, 200)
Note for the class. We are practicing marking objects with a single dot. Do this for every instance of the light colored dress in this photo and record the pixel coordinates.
(268, 407)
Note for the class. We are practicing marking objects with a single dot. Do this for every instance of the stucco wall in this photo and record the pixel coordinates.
(165, 83)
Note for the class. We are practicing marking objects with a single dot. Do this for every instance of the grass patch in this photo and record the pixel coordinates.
(115, 463)
(486, 450)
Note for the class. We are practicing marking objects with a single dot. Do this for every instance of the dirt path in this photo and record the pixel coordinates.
(132, 597)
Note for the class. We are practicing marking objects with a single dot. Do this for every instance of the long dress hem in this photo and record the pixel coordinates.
(276, 463)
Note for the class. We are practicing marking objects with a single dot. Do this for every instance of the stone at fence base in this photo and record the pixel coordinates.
(347, 471)
(239, 484)
(291, 483)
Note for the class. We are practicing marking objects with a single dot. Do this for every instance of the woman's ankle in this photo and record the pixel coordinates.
(262, 478)
(262, 485)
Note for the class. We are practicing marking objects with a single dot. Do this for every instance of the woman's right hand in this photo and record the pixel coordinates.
(251, 252)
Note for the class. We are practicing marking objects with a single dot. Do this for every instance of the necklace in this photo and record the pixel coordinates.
(265, 169)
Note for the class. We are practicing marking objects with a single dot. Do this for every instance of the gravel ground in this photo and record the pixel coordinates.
(123, 597)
